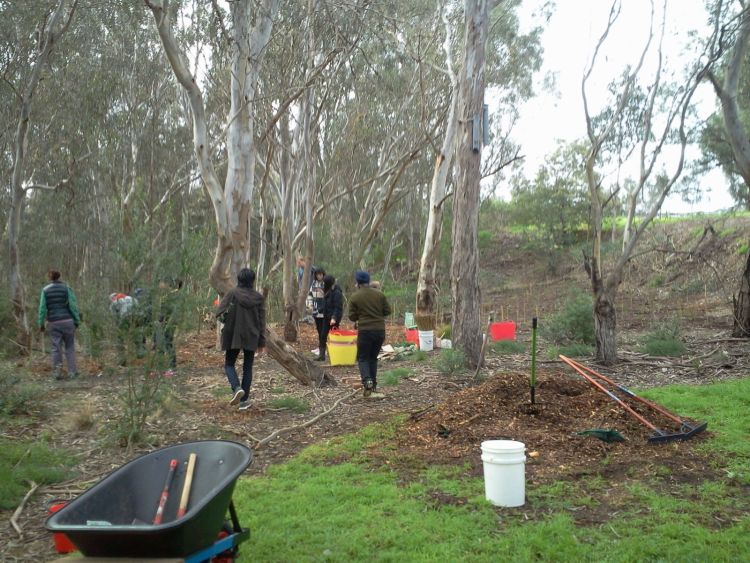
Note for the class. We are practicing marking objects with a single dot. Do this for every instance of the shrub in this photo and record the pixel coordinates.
(451, 361)
(394, 376)
(664, 340)
(574, 323)
(417, 356)
(290, 404)
(18, 393)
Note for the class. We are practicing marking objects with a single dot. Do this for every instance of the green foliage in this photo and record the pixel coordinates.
(664, 340)
(146, 391)
(417, 356)
(451, 361)
(573, 323)
(23, 461)
(484, 239)
(743, 249)
(504, 347)
(291, 404)
(19, 392)
(393, 376)
(444, 331)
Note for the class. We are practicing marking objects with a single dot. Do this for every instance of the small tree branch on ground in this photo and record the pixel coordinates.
(19, 510)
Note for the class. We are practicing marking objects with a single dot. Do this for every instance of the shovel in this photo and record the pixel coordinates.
(533, 407)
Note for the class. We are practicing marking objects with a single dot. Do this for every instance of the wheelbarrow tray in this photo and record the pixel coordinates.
(114, 517)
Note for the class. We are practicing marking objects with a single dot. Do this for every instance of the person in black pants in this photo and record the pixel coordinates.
(368, 308)
(333, 310)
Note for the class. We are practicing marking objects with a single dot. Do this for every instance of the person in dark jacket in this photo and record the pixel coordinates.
(59, 307)
(332, 309)
(167, 307)
(243, 312)
(368, 307)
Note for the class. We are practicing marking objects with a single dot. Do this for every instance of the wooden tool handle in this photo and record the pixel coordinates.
(186, 487)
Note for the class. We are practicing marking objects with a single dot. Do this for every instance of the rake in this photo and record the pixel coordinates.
(687, 429)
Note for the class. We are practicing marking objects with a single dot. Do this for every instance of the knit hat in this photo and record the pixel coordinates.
(362, 277)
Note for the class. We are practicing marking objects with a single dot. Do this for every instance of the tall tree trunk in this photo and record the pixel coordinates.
(605, 328)
(465, 259)
(741, 325)
(52, 32)
(427, 266)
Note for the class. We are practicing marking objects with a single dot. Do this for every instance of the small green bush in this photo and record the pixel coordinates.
(504, 347)
(444, 331)
(18, 393)
(417, 356)
(743, 249)
(290, 404)
(664, 340)
(451, 361)
(574, 323)
(393, 376)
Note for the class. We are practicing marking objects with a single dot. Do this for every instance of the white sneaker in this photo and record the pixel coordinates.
(238, 392)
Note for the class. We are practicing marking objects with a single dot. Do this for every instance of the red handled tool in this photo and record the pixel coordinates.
(165, 492)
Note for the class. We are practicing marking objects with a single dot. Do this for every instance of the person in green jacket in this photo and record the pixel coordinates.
(368, 308)
(58, 306)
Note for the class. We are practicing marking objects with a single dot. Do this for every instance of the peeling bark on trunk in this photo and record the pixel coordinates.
(467, 332)
(306, 372)
(741, 325)
(605, 328)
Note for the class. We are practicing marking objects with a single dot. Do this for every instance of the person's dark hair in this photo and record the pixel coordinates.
(328, 282)
(246, 278)
(317, 271)
(53, 274)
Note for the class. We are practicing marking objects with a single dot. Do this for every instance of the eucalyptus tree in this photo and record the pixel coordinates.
(733, 143)
(662, 120)
(37, 48)
(248, 34)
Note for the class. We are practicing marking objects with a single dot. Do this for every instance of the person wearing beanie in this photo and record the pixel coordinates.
(368, 308)
(243, 312)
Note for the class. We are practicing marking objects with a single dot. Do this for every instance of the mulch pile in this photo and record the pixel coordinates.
(453, 431)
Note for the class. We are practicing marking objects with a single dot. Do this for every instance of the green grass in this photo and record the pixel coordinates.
(22, 462)
(291, 404)
(393, 376)
(343, 500)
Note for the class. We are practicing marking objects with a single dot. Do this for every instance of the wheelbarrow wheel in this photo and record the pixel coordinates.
(229, 555)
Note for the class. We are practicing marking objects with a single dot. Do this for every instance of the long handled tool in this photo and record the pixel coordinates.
(186, 487)
(165, 492)
(483, 350)
(533, 407)
(687, 429)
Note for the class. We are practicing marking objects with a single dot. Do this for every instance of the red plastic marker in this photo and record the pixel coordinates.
(165, 492)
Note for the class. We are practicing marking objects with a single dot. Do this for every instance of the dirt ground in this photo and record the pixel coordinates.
(447, 416)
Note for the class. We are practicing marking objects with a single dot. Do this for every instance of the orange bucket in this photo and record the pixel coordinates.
(62, 543)
(412, 335)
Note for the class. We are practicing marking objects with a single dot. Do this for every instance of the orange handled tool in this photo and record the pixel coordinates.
(165, 492)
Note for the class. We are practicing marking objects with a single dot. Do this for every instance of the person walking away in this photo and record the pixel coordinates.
(333, 310)
(168, 308)
(316, 310)
(243, 312)
(58, 306)
(368, 308)
(123, 307)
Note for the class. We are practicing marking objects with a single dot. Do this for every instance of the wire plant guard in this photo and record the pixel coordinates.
(686, 430)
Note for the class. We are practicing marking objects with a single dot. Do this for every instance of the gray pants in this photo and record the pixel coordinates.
(63, 333)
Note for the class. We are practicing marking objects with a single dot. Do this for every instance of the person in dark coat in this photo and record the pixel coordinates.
(332, 309)
(368, 307)
(243, 312)
(59, 307)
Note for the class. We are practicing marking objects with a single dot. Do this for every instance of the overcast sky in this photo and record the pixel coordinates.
(568, 40)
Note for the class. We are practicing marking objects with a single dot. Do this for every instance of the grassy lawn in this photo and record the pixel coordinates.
(334, 502)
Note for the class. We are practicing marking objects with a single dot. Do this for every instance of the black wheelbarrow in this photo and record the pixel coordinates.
(171, 502)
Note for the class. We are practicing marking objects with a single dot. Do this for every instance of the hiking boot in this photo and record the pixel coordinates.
(57, 375)
(321, 358)
(236, 394)
(73, 375)
(244, 405)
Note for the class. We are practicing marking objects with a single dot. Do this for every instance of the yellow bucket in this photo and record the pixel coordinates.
(342, 347)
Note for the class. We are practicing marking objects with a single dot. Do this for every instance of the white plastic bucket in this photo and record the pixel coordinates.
(504, 472)
(446, 343)
(425, 340)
